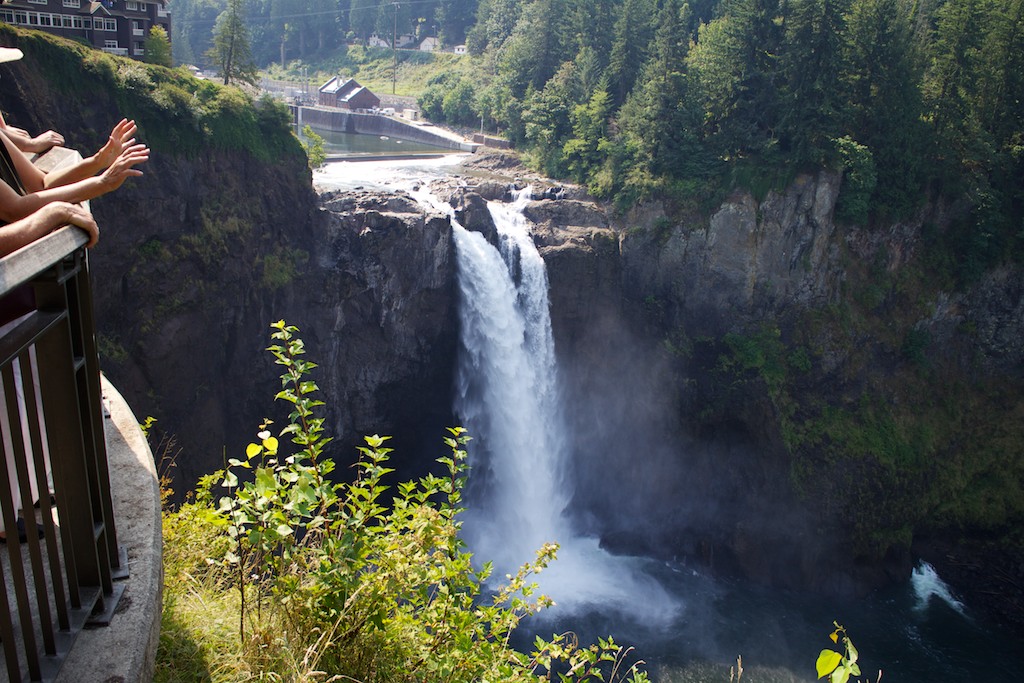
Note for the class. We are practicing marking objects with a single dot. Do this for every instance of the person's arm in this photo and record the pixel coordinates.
(26, 143)
(14, 206)
(121, 138)
(16, 235)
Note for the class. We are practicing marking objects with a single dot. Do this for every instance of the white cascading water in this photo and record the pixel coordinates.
(927, 584)
(506, 391)
(508, 398)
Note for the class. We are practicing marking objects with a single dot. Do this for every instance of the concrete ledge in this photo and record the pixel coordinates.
(125, 651)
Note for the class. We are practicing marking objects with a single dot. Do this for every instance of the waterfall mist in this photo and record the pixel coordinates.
(508, 396)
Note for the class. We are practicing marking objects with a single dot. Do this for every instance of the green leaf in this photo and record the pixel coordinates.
(840, 675)
(851, 651)
(252, 450)
(827, 662)
(265, 482)
(270, 443)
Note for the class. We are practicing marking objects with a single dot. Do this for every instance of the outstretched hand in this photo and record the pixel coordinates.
(121, 137)
(124, 166)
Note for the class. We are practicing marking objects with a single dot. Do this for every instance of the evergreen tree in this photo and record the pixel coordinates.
(231, 52)
(537, 46)
(660, 125)
(192, 29)
(735, 67)
(1002, 93)
(546, 119)
(754, 42)
(811, 62)
(495, 21)
(362, 18)
(632, 36)
(583, 152)
(158, 47)
(882, 74)
(590, 26)
(955, 73)
(454, 18)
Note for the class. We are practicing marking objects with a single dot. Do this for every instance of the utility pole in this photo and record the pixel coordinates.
(394, 51)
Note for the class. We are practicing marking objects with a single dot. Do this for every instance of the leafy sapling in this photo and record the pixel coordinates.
(839, 667)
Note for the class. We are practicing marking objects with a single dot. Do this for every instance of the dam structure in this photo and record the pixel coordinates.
(379, 124)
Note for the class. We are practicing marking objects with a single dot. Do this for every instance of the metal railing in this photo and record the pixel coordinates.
(62, 576)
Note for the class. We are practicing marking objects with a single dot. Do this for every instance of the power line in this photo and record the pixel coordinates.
(334, 12)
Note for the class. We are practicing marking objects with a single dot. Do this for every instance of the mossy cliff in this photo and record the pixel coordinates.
(224, 235)
(843, 403)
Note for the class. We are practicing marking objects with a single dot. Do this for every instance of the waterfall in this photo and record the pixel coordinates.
(508, 397)
(507, 391)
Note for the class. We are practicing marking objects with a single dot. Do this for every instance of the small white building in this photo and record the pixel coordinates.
(460, 49)
(404, 40)
(429, 44)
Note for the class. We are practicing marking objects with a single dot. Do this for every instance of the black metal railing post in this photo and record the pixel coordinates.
(53, 429)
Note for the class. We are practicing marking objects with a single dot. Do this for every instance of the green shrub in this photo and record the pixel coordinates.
(331, 579)
(859, 179)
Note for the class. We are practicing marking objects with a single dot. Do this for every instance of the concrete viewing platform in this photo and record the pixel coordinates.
(125, 651)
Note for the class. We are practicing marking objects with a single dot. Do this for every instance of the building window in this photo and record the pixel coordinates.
(105, 24)
(21, 17)
(131, 5)
(38, 2)
(7, 15)
(137, 27)
(110, 44)
(72, 3)
(140, 48)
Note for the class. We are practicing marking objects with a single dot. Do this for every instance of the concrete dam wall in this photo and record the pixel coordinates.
(378, 124)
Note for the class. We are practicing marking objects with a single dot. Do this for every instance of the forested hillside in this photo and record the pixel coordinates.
(305, 29)
(913, 99)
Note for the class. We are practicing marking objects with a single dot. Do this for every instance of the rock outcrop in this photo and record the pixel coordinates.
(702, 355)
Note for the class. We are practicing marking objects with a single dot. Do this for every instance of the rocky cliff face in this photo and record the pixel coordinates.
(186, 304)
(198, 256)
(805, 403)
